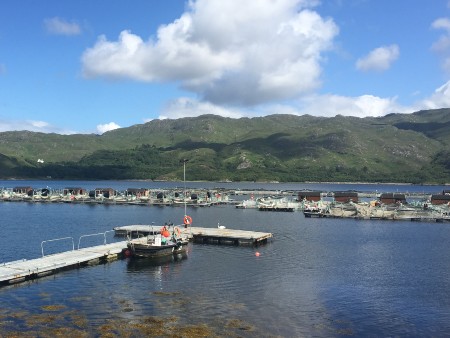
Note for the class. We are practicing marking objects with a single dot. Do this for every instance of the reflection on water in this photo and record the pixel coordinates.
(318, 277)
(144, 265)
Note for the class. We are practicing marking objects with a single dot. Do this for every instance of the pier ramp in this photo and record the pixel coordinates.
(21, 270)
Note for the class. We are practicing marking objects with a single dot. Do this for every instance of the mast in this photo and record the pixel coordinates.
(184, 180)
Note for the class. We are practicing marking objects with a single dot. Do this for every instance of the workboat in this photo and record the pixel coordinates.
(157, 245)
(152, 246)
(169, 240)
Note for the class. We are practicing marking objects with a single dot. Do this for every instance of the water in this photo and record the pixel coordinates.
(318, 277)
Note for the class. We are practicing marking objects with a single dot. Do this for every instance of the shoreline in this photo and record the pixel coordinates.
(229, 182)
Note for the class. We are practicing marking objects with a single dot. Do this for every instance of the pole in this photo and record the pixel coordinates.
(184, 180)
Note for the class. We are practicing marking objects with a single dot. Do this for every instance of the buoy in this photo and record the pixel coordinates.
(257, 254)
(187, 220)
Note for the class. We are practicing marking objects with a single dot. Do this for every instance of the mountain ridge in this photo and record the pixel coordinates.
(409, 148)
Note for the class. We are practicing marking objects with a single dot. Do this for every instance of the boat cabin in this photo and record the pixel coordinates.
(138, 192)
(392, 198)
(440, 199)
(346, 196)
(74, 191)
(310, 196)
(23, 190)
(104, 192)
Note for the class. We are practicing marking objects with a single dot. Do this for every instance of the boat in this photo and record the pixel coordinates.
(160, 244)
(150, 246)
(313, 213)
(170, 239)
(337, 209)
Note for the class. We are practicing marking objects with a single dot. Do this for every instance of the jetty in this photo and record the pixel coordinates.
(203, 235)
(22, 270)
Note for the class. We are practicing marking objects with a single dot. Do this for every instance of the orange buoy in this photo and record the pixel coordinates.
(187, 220)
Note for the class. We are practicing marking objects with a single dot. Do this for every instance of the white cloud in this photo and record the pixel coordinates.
(227, 52)
(103, 128)
(31, 125)
(60, 26)
(39, 124)
(439, 99)
(360, 106)
(379, 59)
(442, 45)
(441, 23)
(316, 105)
(183, 107)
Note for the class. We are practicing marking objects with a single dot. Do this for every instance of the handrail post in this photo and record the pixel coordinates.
(98, 234)
(57, 239)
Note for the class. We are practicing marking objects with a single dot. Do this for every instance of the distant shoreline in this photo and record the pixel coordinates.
(244, 182)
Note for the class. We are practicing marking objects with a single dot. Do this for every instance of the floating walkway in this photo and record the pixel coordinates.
(203, 235)
(229, 236)
(22, 270)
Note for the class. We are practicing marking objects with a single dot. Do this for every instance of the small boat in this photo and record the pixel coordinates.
(160, 244)
(151, 246)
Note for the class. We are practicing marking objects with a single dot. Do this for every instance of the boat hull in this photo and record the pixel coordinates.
(149, 251)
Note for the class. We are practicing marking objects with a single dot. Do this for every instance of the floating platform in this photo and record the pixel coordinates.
(275, 208)
(22, 270)
(203, 235)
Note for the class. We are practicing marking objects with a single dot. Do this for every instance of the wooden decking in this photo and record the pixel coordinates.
(229, 236)
(204, 235)
(19, 271)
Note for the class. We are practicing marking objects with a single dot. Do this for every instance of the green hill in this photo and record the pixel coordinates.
(398, 148)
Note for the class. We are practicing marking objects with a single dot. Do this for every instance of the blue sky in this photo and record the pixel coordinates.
(84, 66)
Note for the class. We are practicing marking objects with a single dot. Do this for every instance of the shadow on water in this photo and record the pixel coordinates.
(143, 264)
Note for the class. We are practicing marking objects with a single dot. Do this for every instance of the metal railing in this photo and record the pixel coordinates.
(73, 243)
(57, 239)
(91, 235)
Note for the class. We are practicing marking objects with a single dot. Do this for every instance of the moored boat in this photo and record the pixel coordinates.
(152, 246)
(169, 240)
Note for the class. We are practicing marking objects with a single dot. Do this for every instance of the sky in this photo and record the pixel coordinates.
(90, 66)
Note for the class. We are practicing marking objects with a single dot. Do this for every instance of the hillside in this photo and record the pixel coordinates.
(397, 147)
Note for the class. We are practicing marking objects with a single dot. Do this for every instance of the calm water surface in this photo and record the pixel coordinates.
(318, 277)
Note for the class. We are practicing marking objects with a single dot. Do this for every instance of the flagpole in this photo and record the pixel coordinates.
(184, 180)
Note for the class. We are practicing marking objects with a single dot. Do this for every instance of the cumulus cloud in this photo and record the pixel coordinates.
(227, 52)
(58, 26)
(379, 59)
(185, 106)
(441, 23)
(359, 106)
(442, 45)
(439, 99)
(31, 125)
(327, 105)
(103, 128)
